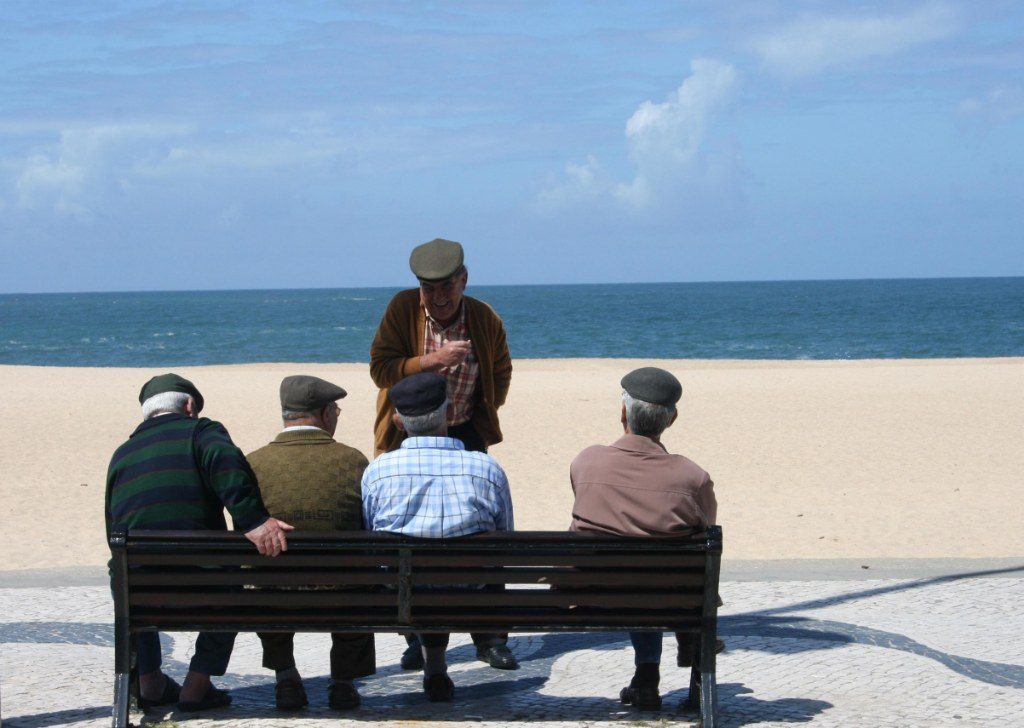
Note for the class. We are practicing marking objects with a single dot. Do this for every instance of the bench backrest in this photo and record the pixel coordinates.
(367, 581)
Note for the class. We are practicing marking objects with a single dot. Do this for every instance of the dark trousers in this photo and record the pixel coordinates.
(213, 652)
(352, 655)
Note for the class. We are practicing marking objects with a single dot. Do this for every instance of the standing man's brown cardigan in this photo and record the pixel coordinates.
(398, 345)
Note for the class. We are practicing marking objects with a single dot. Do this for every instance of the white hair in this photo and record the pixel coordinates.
(428, 424)
(646, 418)
(163, 403)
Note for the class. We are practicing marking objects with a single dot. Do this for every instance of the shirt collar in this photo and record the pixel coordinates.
(296, 428)
(432, 443)
(638, 443)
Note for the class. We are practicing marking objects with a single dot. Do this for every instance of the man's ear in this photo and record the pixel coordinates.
(398, 422)
(623, 420)
(190, 407)
(675, 415)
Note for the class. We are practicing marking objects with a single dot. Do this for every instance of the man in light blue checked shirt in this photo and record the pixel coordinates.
(432, 487)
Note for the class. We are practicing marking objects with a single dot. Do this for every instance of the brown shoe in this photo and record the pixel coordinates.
(290, 695)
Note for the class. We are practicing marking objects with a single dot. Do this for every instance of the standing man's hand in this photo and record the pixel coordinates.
(269, 537)
(451, 354)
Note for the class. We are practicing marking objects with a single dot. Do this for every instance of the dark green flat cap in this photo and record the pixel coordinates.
(419, 393)
(436, 260)
(653, 385)
(303, 393)
(170, 383)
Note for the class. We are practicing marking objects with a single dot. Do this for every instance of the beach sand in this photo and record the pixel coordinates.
(811, 460)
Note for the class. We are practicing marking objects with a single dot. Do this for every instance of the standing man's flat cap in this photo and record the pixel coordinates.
(653, 385)
(436, 260)
(303, 393)
(419, 394)
(170, 383)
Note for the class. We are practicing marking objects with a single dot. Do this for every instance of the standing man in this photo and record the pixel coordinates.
(312, 481)
(180, 471)
(635, 487)
(432, 487)
(438, 329)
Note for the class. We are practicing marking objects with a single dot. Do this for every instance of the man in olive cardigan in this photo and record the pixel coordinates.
(305, 473)
(436, 328)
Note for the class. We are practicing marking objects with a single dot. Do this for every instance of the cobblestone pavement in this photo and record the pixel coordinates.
(935, 651)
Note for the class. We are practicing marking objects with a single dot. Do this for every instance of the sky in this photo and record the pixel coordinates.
(226, 145)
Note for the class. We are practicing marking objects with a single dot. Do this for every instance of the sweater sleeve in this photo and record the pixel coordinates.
(390, 356)
(227, 473)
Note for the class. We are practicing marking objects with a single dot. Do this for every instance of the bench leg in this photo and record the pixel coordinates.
(708, 700)
(122, 674)
(121, 699)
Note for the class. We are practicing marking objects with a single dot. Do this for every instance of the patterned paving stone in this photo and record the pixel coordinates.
(896, 652)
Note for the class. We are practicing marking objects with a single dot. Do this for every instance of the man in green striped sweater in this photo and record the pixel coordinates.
(180, 471)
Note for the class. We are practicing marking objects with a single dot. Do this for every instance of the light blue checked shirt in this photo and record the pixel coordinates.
(432, 487)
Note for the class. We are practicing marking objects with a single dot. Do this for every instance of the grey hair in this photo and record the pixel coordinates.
(428, 424)
(287, 414)
(646, 418)
(163, 403)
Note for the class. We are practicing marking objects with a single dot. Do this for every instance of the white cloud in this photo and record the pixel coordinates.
(814, 44)
(1001, 103)
(666, 144)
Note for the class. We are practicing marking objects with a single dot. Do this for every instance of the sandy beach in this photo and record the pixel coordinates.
(811, 459)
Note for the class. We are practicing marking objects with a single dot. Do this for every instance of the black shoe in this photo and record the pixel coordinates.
(168, 696)
(499, 657)
(439, 688)
(645, 697)
(412, 658)
(290, 695)
(214, 698)
(342, 695)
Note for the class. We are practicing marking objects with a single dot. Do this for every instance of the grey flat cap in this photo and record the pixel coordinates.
(653, 385)
(436, 260)
(419, 394)
(303, 393)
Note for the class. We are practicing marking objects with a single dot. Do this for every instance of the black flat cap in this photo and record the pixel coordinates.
(436, 260)
(419, 394)
(170, 383)
(303, 393)
(653, 385)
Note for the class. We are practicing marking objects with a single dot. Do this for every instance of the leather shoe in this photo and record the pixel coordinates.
(290, 695)
(499, 657)
(342, 695)
(214, 698)
(439, 688)
(643, 697)
(412, 658)
(168, 696)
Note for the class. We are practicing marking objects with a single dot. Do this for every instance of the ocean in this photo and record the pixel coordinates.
(859, 319)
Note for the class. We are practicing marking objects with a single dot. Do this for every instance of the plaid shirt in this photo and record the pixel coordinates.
(433, 488)
(462, 379)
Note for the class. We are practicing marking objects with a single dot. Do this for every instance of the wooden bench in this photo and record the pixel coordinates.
(359, 581)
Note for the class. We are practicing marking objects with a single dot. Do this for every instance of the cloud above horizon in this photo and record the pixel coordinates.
(667, 149)
(814, 44)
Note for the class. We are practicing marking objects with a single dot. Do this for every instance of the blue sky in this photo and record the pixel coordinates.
(173, 145)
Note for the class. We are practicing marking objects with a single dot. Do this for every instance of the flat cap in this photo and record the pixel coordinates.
(436, 260)
(653, 385)
(419, 394)
(170, 383)
(303, 393)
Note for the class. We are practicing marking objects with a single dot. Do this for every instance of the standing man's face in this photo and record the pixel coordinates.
(442, 298)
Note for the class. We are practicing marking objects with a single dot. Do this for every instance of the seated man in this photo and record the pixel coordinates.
(635, 487)
(179, 471)
(432, 487)
(312, 481)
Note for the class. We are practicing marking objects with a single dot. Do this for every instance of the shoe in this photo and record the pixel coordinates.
(439, 688)
(644, 697)
(499, 657)
(169, 696)
(290, 695)
(342, 695)
(214, 698)
(412, 658)
(642, 691)
(686, 655)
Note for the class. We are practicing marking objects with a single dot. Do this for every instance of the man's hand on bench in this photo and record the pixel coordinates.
(269, 537)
